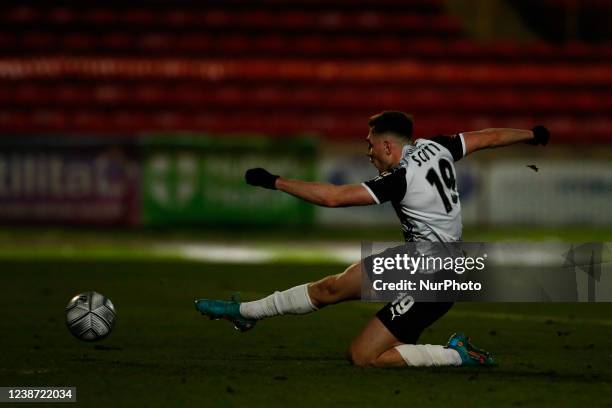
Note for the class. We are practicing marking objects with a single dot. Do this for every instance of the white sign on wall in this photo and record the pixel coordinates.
(561, 192)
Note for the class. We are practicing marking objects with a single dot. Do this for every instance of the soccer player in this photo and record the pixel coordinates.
(418, 177)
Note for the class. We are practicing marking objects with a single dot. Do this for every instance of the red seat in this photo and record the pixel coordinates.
(38, 40)
(23, 14)
(78, 42)
(62, 15)
(138, 17)
(116, 40)
(99, 16)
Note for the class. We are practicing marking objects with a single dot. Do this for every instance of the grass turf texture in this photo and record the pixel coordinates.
(163, 353)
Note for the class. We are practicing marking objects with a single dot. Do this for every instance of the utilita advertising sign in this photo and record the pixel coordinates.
(68, 181)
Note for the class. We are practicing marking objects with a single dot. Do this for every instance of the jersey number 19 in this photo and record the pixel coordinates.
(448, 176)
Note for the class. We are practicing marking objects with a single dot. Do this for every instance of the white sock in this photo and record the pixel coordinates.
(290, 301)
(427, 355)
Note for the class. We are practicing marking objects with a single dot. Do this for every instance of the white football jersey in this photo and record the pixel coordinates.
(423, 189)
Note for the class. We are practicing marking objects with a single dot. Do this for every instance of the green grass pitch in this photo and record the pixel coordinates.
(163, 353)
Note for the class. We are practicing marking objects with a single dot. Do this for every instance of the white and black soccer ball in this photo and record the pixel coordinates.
(90, 316)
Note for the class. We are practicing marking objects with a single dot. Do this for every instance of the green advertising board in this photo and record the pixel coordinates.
(199, 179)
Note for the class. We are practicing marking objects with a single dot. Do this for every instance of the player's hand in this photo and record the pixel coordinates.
(541, 135)
(260, 177)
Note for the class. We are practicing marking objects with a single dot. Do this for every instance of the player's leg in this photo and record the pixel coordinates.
(299, 299)
(337, 288)
(307, 297)
(376, 346)
(389, 339)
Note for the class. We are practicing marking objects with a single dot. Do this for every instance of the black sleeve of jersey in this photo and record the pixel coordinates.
(389, 186)
(452, 143)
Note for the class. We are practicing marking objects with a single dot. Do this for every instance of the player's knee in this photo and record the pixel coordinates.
(360, 358)
(325, 291)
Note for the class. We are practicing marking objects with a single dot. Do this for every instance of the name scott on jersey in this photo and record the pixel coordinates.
(424, 152)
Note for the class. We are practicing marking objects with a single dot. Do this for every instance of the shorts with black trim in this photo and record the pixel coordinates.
(407, 319)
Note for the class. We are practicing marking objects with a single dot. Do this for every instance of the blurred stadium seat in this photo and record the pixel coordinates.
(320, 66)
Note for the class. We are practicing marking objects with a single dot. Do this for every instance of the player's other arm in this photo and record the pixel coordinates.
(499, 137)
(323, 194)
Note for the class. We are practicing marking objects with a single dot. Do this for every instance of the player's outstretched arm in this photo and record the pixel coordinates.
(323, 194)
(499, 137)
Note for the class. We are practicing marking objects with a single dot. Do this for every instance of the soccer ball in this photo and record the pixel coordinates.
(90, 316)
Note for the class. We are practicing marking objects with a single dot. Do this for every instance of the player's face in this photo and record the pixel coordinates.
(377, 152)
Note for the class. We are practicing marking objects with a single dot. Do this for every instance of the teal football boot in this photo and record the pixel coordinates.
(470, 355)
(227, 310)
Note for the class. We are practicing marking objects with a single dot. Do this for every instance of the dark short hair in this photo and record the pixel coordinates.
(392, 121)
